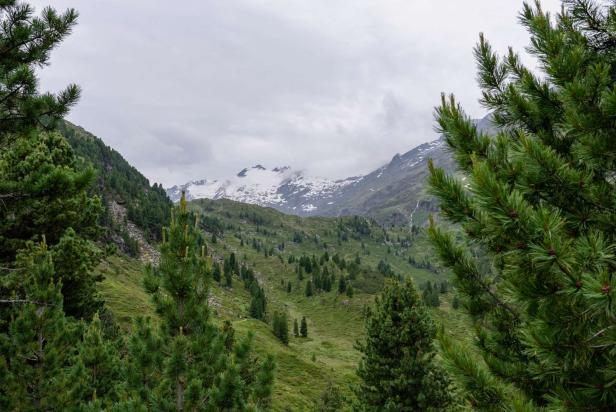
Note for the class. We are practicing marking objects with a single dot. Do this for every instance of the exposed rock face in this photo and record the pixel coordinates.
(147, 253)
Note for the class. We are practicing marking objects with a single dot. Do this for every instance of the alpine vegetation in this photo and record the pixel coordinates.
(541, 207)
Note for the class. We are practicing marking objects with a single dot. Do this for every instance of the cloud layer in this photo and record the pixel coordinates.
(203, 88)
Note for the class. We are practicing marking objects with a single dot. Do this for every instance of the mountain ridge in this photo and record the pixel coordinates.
(395, 193)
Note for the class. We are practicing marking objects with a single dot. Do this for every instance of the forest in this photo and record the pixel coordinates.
(502, 301)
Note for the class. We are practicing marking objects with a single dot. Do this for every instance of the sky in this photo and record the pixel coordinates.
(203, 88)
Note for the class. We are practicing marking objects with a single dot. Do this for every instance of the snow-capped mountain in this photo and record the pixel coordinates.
(385, 193)
(393, 193)
(282, 188)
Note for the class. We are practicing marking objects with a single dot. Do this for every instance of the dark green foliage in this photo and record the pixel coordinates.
(96, 373)
(216, 271)
(43, 192)
(280, 326)
(398, 370)
(538, 201)
(289, 287)
(35, 352)
(43, 189)
(349, 291)
(228, 279)
(147, 206)
(303, 328)
(385, 269)
(258, 302)
(431, 295)
(26, 45)
(342, 285)
(295, 328)
(455, 303)
(309, 290)
(196, 370)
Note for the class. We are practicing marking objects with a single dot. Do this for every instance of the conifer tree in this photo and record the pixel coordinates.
(228, 279)
(398, 370)
(27, 41)
(280, 327)
(349, 291)
(309, 291)
(35, 352)
(197, 372)
(539, 201)
(43, 190)
(341, 285)
(303, 328)
(96, 373)
(216, 272)
(295, 328)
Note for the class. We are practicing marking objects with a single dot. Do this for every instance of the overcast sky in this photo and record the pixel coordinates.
(203, 88)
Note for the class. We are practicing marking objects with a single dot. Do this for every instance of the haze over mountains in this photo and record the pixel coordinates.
(390, 193)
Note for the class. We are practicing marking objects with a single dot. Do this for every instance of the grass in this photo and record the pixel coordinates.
(307, 365)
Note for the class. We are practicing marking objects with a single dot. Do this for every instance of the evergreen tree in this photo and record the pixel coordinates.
(258, 301)
(538, 201)
(289, 287)
(341, 285)
(303, 328)
(349, 291)
(280, 326)
(27, 42)
(398, 370)
(295, 328)
(216, 272)
(96, 374)
(196, 370)
(43, 189)
(228, 279)
(35, 353)
(309, 292)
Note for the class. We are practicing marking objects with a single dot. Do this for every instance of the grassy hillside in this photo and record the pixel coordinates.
(307, 365)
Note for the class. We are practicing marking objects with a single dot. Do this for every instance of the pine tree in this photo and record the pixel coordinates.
(35, 352)
(96, 374)
(538, 201)
(349, 291)
(295, 328)
(27, 42)
(42, 187)
(228, 279)
(341, 285)
(280, 326)
(216, 272)
(309, 292)
(289, 287)
(303, 328)
(398, 370)
(197, 372)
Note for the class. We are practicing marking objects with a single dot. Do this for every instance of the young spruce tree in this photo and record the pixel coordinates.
(196, 370)
(539, 200)
(398, 371)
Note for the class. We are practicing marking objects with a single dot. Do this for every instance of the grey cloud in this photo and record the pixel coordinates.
(204, 88)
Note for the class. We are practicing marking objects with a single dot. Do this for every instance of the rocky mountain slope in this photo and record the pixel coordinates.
(394, 193)
(388, 193)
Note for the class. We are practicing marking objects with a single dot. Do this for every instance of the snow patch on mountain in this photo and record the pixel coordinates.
(266, 187)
